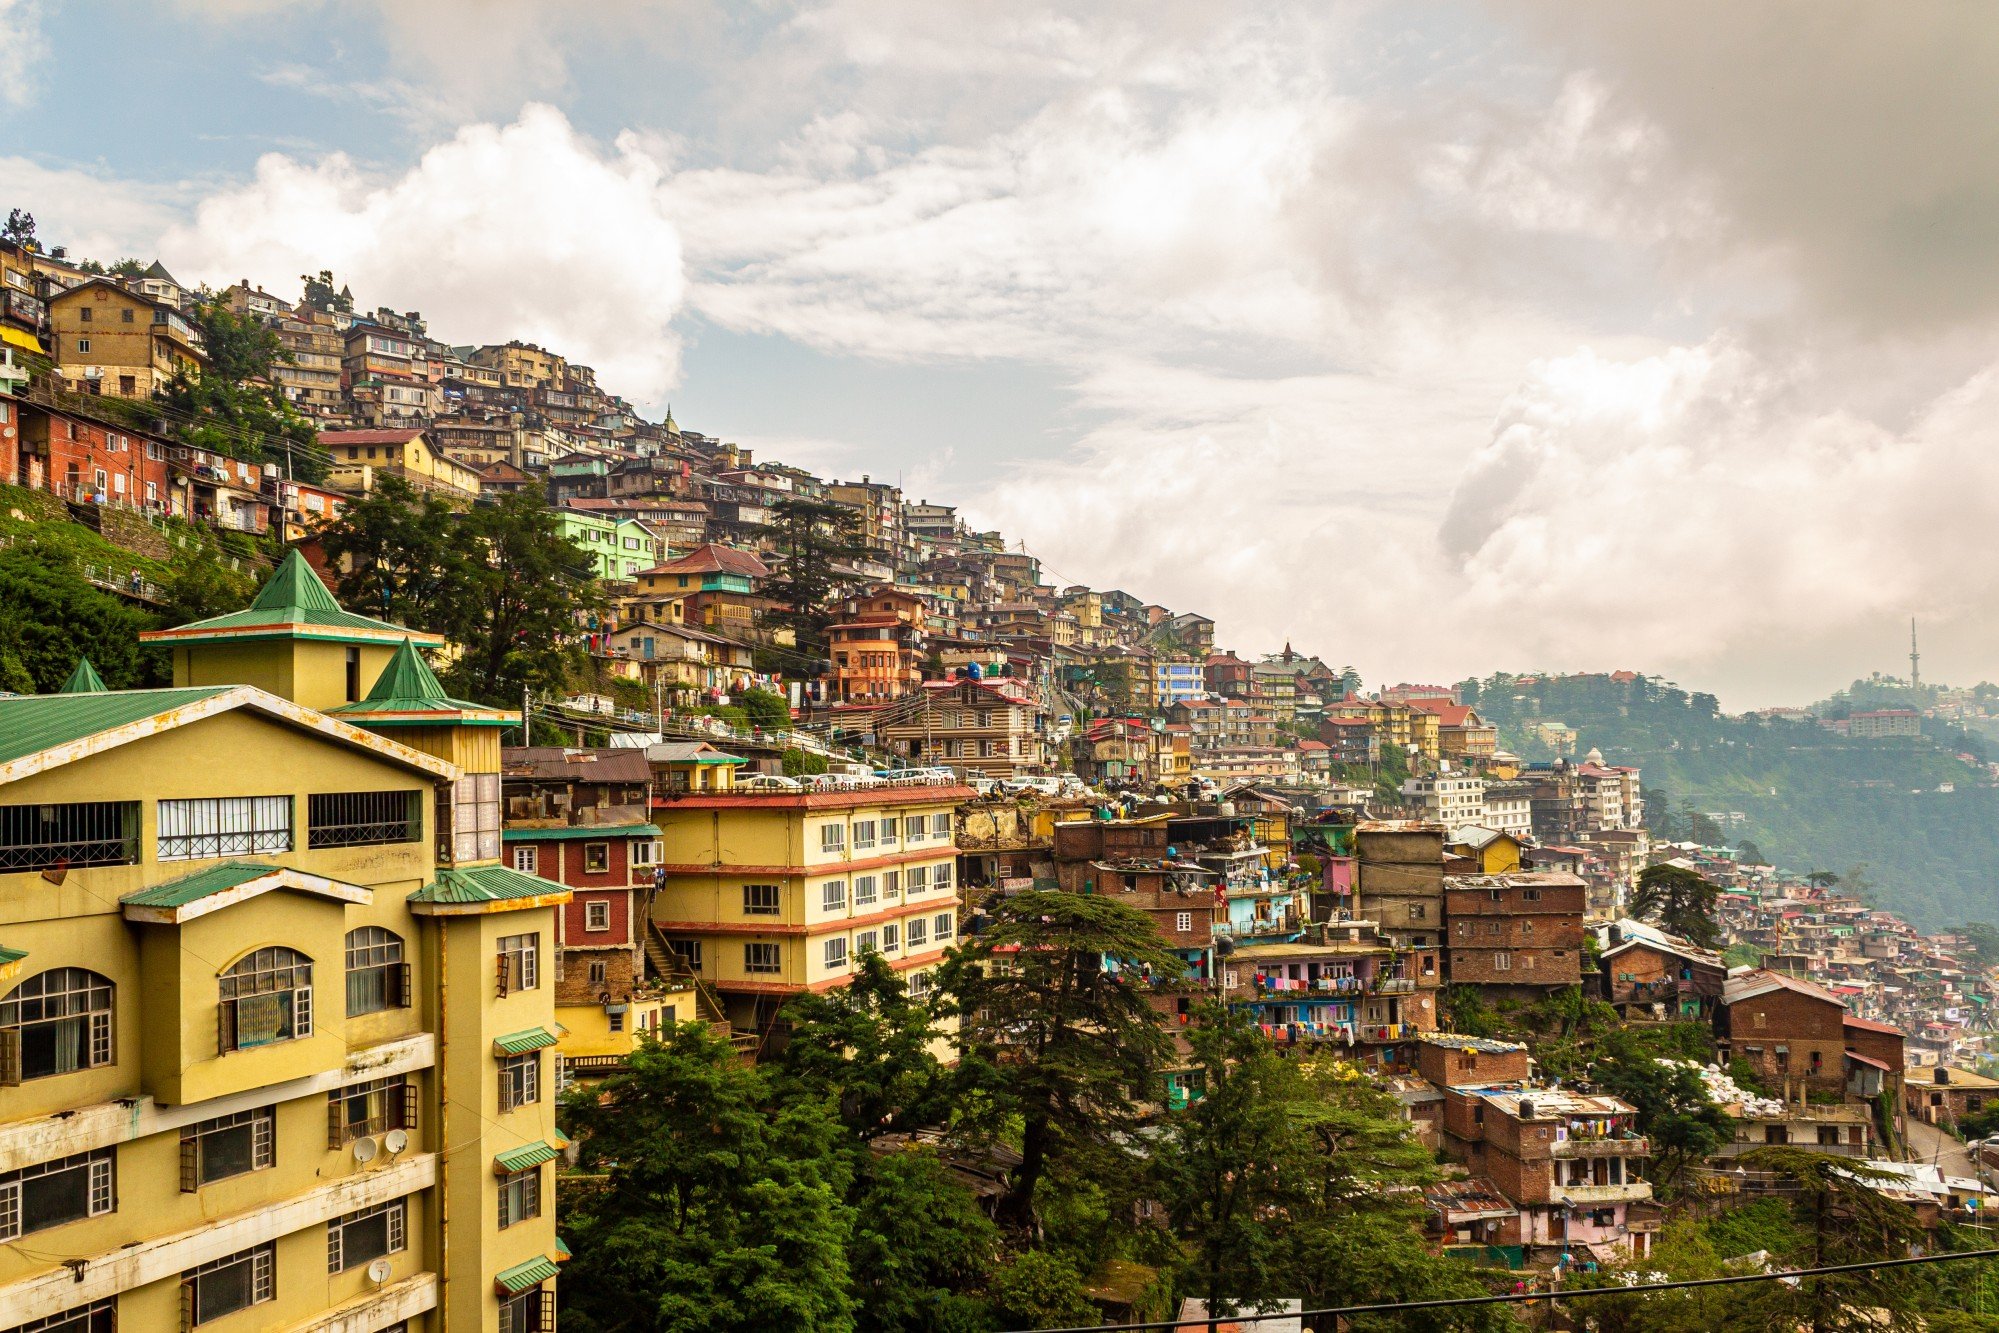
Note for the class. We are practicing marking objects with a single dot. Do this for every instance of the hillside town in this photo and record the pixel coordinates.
(738, 802)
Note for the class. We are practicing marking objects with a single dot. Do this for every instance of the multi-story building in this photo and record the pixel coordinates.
(876, 648)
(991, 727)
(273, 1018)
(1462, 735)
(1176, 679)
(1648, 973)
(360, 456)
(86, 460)
(1345, 988)
(1451, 798)
(108, 339)
(770, 894)
(716, 586)
(619, 548)
(1518, 932)
(1509, 807)
(1399, 885)
(1800, 1039)
(1880, 723)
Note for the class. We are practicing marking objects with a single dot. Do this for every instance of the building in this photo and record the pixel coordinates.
(1462, 735)
(1941, 1095)
(1792, 1033)
(361, 456)
(876, 648)
(1450, 798)
(1881, 723)
(1176, 680)
(618, 548)
(1519, 932)
(1650, 974)
(111, 340)
(90, 462)
(992, 727)
(232, 913)
(770, 894)
(716, 586)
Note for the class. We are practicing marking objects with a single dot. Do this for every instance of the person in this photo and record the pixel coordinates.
(137, 583)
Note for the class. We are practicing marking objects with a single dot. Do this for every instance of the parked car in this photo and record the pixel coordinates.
(767, 782)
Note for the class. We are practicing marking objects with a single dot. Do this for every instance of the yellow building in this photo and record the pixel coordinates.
(1496, 851)
(274, 1028)
(113, 341)
(361, 456)
(770, 894)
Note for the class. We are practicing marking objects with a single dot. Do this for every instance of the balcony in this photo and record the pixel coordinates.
(1395, 985)
(1571, 1148)
(1381, 1032)
(1582, 1196)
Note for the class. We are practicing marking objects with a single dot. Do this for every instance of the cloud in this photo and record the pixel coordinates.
(92, 214)
(23, 48)
(520, 231)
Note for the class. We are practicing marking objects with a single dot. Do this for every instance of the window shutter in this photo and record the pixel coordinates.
(336, 1119)
(103, 1186)
(531, 964)
(10, 1210)
(335, 1243)
(10, 1057)
(186, 1304)
(503, 975)
(302, 1012)
(409, 1104)
(399, 978)
(225, 1026)
(264, 1139)
(547, 1321)
(100, 1040)
(190, 1162)
(506, 1089)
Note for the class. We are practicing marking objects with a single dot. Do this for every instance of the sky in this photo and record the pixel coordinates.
(1432, 338)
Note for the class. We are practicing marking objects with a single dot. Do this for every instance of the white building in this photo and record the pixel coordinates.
(1450, 799)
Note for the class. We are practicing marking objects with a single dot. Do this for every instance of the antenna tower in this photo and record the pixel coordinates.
(1915, 658)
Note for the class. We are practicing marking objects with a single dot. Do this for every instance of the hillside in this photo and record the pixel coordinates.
(1873, 810)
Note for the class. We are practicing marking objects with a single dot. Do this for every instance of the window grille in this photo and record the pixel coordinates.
(360, 1109)
(762, 958)
(596, 916)
(265, 998)
(217, 826)
(368, 1234)
(55, 1022)
(227, 1285)
(760, 900)
(96, 1317)
(377, 976)
(79, 833)
(52, 1194)
(230, 1145)
(363, 818)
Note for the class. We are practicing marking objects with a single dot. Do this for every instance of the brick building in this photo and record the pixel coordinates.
(1790, 1031)
(1522, 931)
(1650, 974)
(89, 461)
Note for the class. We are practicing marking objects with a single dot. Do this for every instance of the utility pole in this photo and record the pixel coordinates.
(1915, 658)
(527, 722)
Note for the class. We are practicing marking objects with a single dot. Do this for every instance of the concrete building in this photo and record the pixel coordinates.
(1453, 798)
(1515, 933)
(991, 728)
(110, 340)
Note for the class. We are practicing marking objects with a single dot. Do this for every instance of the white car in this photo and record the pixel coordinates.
(767, 782)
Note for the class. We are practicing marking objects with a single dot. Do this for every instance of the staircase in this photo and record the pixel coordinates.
(672, 969)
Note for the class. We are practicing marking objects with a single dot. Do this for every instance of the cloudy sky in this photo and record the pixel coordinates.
(1437, 338)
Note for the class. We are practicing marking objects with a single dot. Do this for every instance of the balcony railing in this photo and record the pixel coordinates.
(1395, 985)
(1631, 1191)
(1583, 1146)
(1378, 1032)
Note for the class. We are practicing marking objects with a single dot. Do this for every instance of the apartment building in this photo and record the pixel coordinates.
(1453, 799)
(360, 456)
(231, 913)
(991, 727)
(1519, 932)
(108, 339)
(770, 894)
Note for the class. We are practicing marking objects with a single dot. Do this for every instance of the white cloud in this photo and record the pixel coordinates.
(90, 214)
(23, 48)
(521, 231)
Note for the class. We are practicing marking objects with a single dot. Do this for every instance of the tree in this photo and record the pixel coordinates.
(921, 1249)
(1040, 1290)
(1680, 900)
(234, 407)
(1056, 1033)
(1842, 1219)
(320, 293)
(405, 556)
(812, 537)
(766, 709)
(866, 1050)
(127, 267)
(1749, 854)
(50, 615)
(1983, 939)
(20, 230)
(716, 1212)
(1822, 879)
(1681, 1122)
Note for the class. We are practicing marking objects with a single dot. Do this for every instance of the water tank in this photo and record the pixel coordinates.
(1942, 1074)
(1526, 1110)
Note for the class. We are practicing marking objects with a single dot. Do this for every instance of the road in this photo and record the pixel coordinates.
(1927, 1143)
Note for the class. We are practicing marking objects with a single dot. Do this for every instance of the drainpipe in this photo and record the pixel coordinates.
(443, 1135)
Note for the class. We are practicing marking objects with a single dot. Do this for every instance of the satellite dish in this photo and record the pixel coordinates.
(396, 1140)
(378, 1271)
(364, 1150)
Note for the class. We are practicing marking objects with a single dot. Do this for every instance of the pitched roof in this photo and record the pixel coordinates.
(225, 884)
(714, 558)
(562, 763)
(293, 603)
(1753, 984)
(487, 884)
(32, 723)
(407, 694)
(83, 680)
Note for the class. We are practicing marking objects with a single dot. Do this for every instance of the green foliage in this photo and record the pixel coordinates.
(1683, 1124)
(866, 1050)
(1466, 1011)
(50, 615)
(20, 230)
(812, 536)
(1040, 1290)
(234, 407)
(801, 763)
(1056, 1032)
(1840, 1219)
(1742, 954)
(765, 708)
(1680, 901)
(1765, 1224)
(921, 1249)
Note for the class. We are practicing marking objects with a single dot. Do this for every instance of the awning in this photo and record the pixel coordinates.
(525, 1277)
(523, 1159)
(27, 342)
(520, 1043)
(1870, 1062)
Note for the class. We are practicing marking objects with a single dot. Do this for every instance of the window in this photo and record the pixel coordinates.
(229, 1145)
(836, 952)
(1502, 962)
(944, 925)
(915, 880)
(224, 826)
(83, 344)
(266, 997)
(891, 938)
(55, 1022)
(520, 1080)
(228, 1285)
(596, 916)
(940, 876)
(919, 933)
(363, 818)
(864, 835)
(919, 985)
(1183, 921)
(600, 972)
(689, 951)
(353, 675)
(79, 833)
(833, 896)
(1419, 911)
(867, 889)
(361, 1109)
(468, 825)
(50, 1194)
(867, 941)
(832, 837)
(596, 858)
(912, 829)
(643, 852)
(369, 1234)
(760, 900)
(519, 963)
(96, 1317)
(532, 1311)
(940, 827)
(891, 885)
(377, 976)
(762, 958)
(85, 314)
(524, 860)
(520, 1196)
(888, 832)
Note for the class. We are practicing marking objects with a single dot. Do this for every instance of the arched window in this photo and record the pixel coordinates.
(377, 976)
(55, 1022)
(266, 997)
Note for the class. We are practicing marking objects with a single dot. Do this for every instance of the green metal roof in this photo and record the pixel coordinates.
(521, 1159)
(523, 1277)
(31, 723)
(561, 1249)
(408, 693)
(8, 955)
(484, 884)
(294, 600)
(580, 832)
(83, 680)
(193, 888)
(520, 1043)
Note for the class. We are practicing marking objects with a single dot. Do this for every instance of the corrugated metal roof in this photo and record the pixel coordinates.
(522, 1159)
(193, 888)
(293, 600)
(520, 1043)
(522, 1277)
(580, 832)
(484, 884)
(31, 723)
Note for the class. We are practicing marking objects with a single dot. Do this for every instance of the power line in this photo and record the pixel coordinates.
(1516, 1298)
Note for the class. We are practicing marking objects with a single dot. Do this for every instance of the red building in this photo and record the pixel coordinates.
(89, 461)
